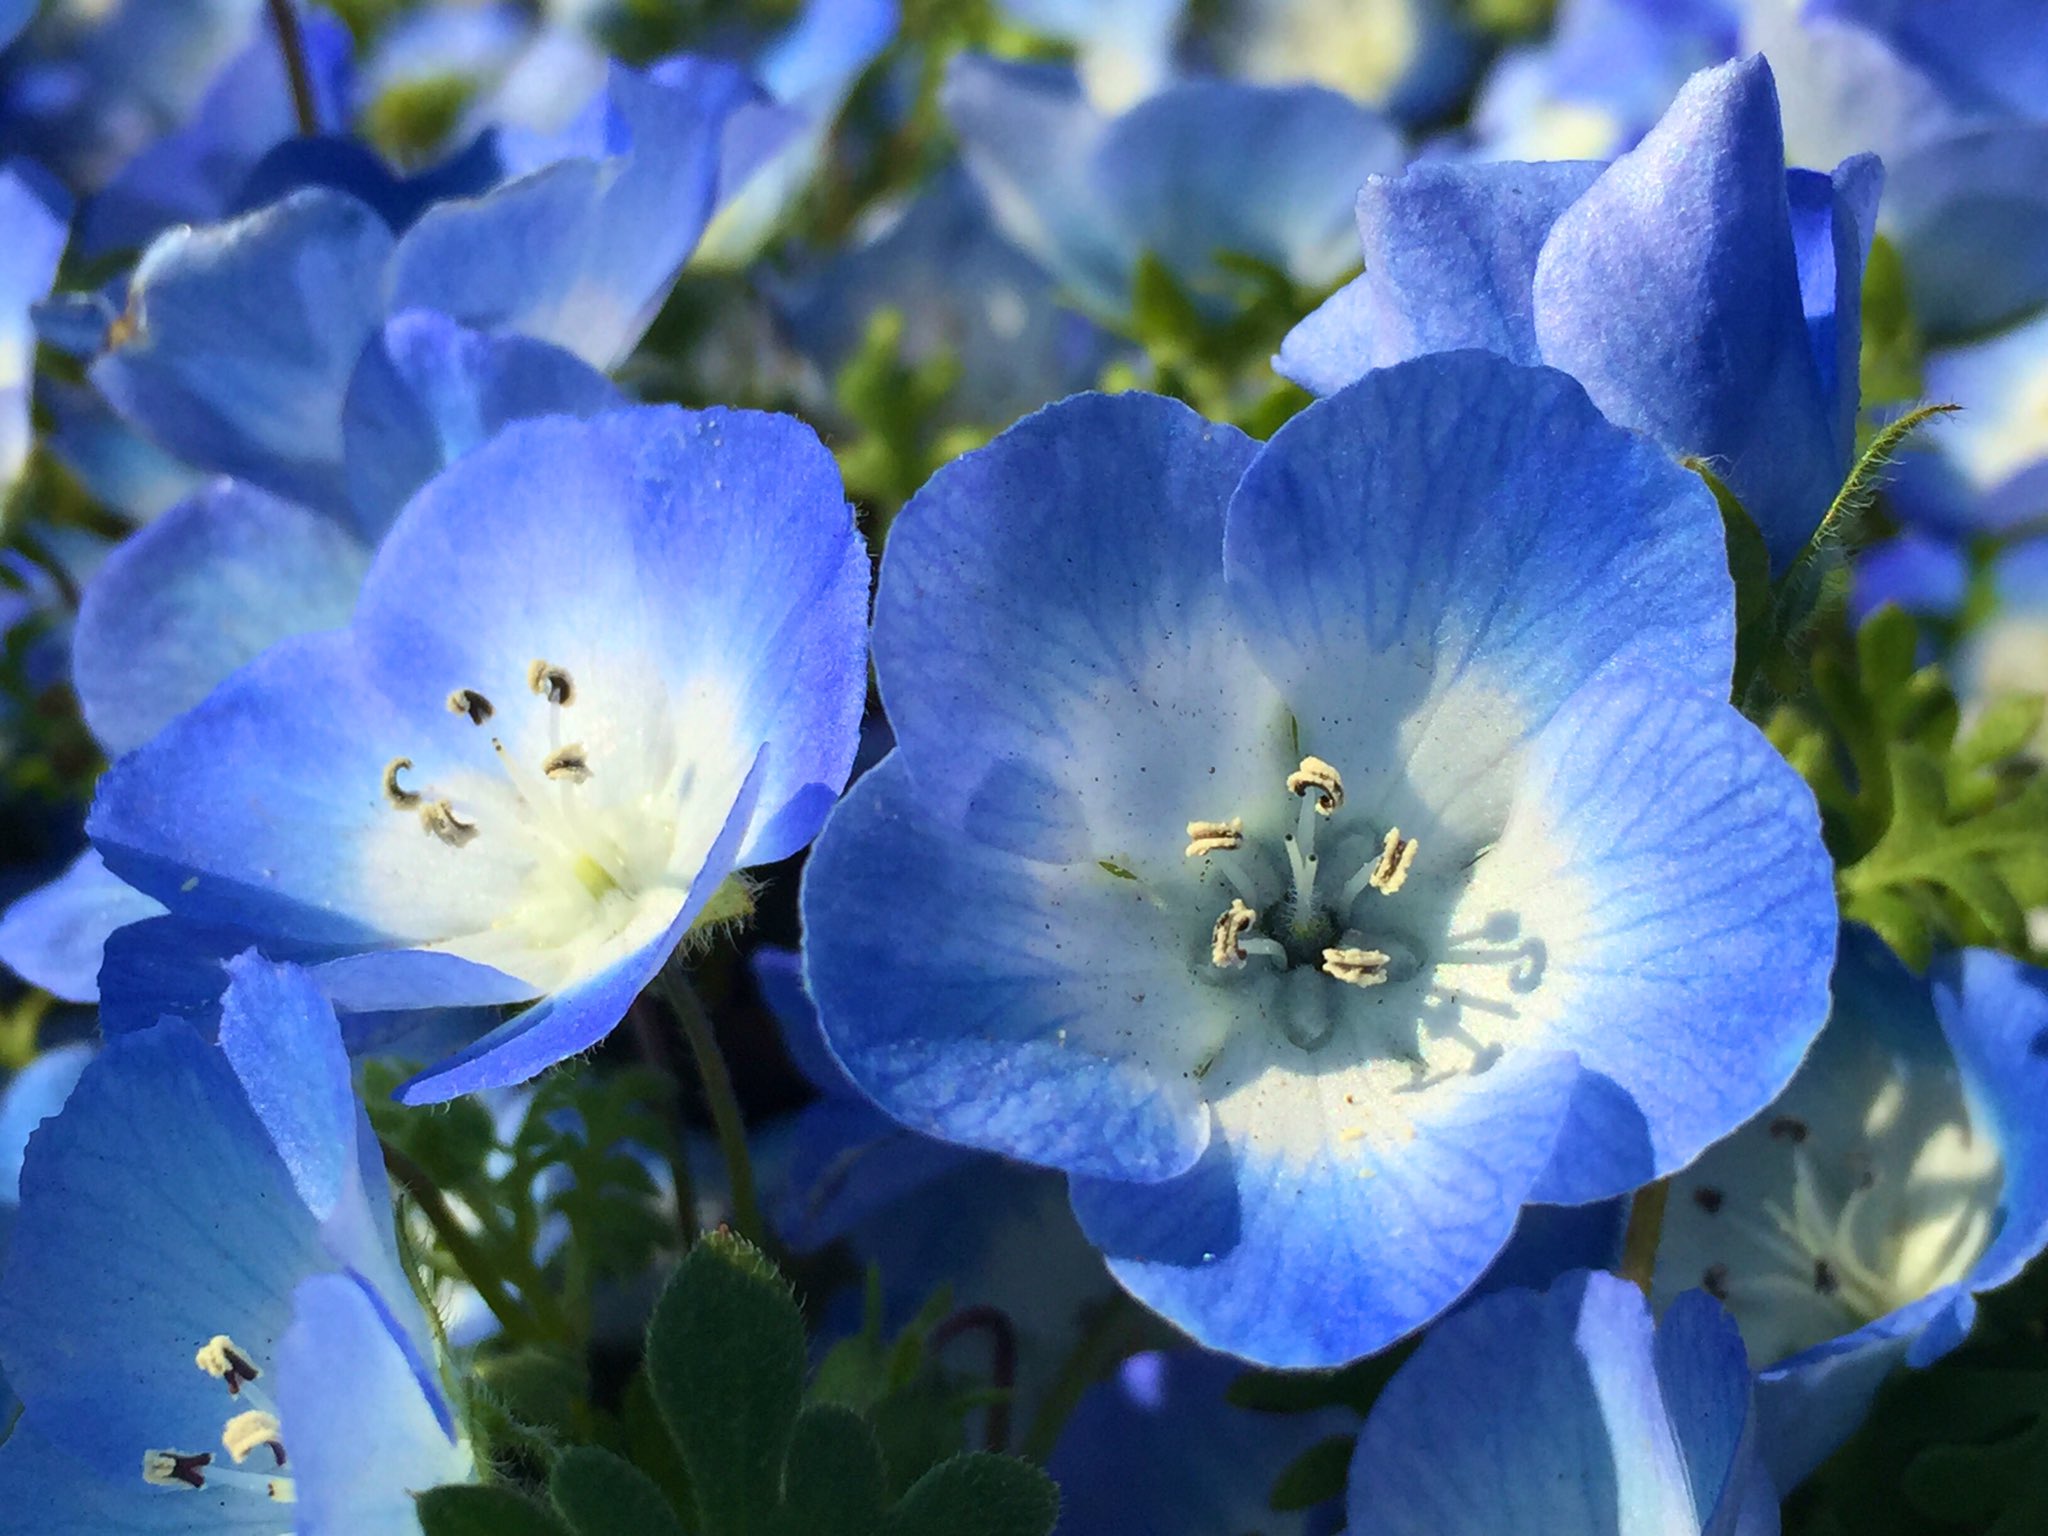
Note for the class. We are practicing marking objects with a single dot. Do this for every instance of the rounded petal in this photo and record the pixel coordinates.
(55, 936)
(31, 1096)
(210, 585)
(998, 1001)
(1330, 1217)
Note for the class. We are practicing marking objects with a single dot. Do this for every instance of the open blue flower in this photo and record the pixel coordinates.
(1319, 881)
(1850, 1225)
(1700, 292)
(541, 743)
(203, 1307)
(1202, 168)
(1566, 1413)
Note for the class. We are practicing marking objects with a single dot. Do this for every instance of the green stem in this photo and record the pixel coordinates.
(655, 1049)
(1109, 1336)
(1645, 1226)
(291, 42)
(541, 1320)
(724, 1104)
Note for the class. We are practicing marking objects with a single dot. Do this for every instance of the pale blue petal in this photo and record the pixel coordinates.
(31, 1096)
(35, 212)
(210, 585)
(52, 1494)
(54, 936)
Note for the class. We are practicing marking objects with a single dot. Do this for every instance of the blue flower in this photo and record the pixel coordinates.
(204, 1309)
(1158, 1450)
(1852, 1224)
(1984, 469)
(1700, 292)
(1201, 168)
(30, 1097)
(542, 742)
(54, 936)
(1566, 1413)
(36, 216)
(1319, 880)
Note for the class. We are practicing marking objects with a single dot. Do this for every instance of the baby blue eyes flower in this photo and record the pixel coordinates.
(1985, 469)
(203, 1308)
(1905, 1169)
(541, 743)
(1565, 1413)
(1202, 167)
(1286, 842)
(1701, 293)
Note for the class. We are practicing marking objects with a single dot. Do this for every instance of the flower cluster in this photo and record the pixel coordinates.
(1299, 743)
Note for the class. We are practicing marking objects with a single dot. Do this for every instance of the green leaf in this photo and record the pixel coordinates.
(834, 1484)
(479, 1509)
(601, 1495)
(1315, 1476)
(538, 1387)
(1749, 565)
(978, 1495)
(1887, 648)
(725, 1359)
(2002, 731)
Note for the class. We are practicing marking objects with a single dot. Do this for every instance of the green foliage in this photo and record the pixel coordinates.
(897, 407)
(1316, 1476)
(1893, 350)
(977, 1494)
(835, 1484)
(599, 1494)
(484, 1509)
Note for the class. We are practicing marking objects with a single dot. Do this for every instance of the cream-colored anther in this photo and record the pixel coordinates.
(570, 762)
(467, 701)
(1315, 774)
(1358, 967)
(221, 1357)
(401, 797)
(440, 819)
(1214, 836)
(1397, 856)
(1226, 944)
(551, 683)
(251, 1431)
(175, 1469)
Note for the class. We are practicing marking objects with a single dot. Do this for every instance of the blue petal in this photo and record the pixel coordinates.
(349, 166)
(577, 1017)
(1293, 1248)
(1031, 1013)
(1550, 1241)
(210, 585)
(716, 544)
(154, 1215)
(1073, 562)
(815, 63)
(54, 936)
(1158, 1450)
(1541, 1414)
(1834, 219)
(52, 1494)
(582, 252)
(35, 213)
(1451, 522)
(1985, 468)
(427, 391)
(241, 338)
(31, 1096)
(1450, 263)
(1920, 574)
(1262, 171)
(368, 1429)
(118, 465)
(1671, 291)
(778, 973)
(1703, 1375)
(1687, 905)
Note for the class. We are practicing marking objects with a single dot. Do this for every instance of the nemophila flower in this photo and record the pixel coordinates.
(541, 743)
(54, 936)
(2007, 651)
(1566, 1413)
(27, 1099)
(1852, 1223)
(1701, 293)
(1200, 168)
(1159, 1450)
(35, 220)
(203, 1307)
(1952, 98)
(1318, 881)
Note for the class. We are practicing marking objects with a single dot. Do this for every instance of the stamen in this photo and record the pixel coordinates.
(220, 1357)
(1226, 944)
(1824, 1278)
(440, 819)
(401, 797)
(1789, 1128)
(570, 762)
(1715, 1281)
(1318, 775)
(245, 1432)
(1397, 856)
(1205, 837)
(551, 683)
(467, 701)
(174, 1469)
(1359, 967)
(1707, 1198)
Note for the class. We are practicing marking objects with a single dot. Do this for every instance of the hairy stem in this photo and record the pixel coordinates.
(723, 1102)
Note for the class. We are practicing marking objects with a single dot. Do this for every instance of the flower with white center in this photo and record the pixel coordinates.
(1566, 1413)
(1318, 881)
(203, 1309)
(595, 668)
(1905, 1169)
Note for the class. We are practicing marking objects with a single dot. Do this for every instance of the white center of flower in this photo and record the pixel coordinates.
(1822, 1216)
(251, 1431)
